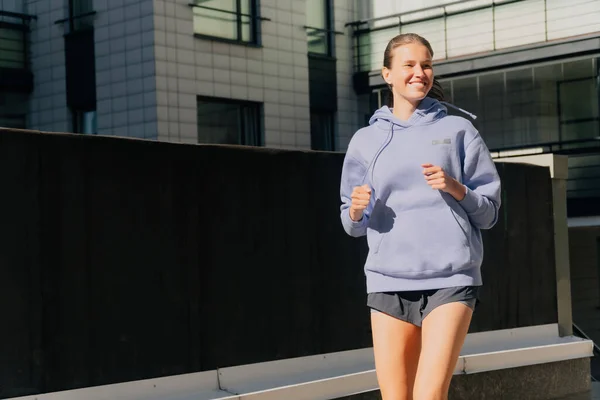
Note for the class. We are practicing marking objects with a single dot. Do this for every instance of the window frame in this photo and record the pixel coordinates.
(329, 31)
(331, 116)
(78, 121)
(260, 125)
(255, 27)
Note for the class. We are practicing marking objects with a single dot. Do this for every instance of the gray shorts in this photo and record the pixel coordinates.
(414, 306)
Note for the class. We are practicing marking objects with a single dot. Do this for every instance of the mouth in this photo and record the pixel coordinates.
(418, 85)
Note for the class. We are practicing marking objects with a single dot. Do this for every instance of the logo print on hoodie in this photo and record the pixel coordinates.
(442, 141)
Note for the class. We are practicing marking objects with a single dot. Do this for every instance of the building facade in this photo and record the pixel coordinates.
(237, 71)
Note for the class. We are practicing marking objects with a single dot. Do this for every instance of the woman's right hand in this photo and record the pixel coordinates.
(361, 196)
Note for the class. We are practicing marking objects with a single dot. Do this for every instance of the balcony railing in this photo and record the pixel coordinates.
(476, 26)
(14, 28)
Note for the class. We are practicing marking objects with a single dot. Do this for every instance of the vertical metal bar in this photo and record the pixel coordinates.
(357, 65)
(445, 32)
(329, 27)
(559, 113)
(546, 19)
(71, 15)
(255, 22)
(494, 25)
(238, 10)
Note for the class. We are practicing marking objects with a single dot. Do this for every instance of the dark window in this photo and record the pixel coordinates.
(224, 121)
(13, 110)
(85, 122)
(235, 20)
(81, 14)
(12, 46)
(319, 29)
(322, 130)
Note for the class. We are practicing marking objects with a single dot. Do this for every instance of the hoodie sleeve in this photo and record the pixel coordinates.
(353, 172)
(480, 176)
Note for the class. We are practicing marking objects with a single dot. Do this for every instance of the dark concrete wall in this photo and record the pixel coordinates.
(585, 283)
(129, 259)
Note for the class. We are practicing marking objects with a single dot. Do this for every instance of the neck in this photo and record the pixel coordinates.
(404, 109)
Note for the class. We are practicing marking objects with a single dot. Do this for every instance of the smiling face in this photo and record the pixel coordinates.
(409, 72)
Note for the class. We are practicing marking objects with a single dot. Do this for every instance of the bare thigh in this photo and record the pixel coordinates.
(443, 335)
(397, 345)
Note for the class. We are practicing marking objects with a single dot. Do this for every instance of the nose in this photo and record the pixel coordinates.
(418, 70)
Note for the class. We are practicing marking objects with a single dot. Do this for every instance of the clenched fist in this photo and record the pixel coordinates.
(438, 179)
(361, 196)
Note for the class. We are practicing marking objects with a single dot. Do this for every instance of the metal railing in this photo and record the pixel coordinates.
(244, 25)
(476, 26)
(583, 180)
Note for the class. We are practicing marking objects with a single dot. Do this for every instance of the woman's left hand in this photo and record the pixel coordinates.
(437, 178)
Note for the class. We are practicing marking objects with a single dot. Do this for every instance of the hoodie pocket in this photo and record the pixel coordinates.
(423, 243)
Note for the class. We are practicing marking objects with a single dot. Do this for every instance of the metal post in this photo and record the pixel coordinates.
(494, 25)
(546, 19)
(558, 172)
(445, 32)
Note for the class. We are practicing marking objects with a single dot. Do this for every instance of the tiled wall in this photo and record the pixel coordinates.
(150, 69)
(350, 115)
(276, 74)
(125, 68)
(48, 102)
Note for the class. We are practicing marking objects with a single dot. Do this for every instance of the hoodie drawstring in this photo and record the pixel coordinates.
(459, 109)
(371, 166)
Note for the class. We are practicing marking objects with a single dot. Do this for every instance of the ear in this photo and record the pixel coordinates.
(386, 74)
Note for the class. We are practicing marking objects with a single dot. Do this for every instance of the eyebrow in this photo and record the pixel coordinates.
(414, 61)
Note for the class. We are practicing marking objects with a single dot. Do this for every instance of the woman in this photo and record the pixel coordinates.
(421, 185)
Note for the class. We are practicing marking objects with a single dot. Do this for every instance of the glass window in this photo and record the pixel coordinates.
(319, 27)
(322, 125)
(12, 48)
(85, 122)
(533, 105)
(234, 20)
(79, 11)
(224, 121)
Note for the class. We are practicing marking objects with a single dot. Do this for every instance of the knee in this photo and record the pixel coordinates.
(430, 391)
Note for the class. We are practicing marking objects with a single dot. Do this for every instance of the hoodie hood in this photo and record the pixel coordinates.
(428, 111)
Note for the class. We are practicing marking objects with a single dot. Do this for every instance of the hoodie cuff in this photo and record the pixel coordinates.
(350, 223)
(471, 201)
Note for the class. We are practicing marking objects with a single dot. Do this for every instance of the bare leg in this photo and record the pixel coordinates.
(396, 345)
(443, 335)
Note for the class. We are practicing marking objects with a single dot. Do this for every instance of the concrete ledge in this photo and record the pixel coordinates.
(331, 376)
(558, 380)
